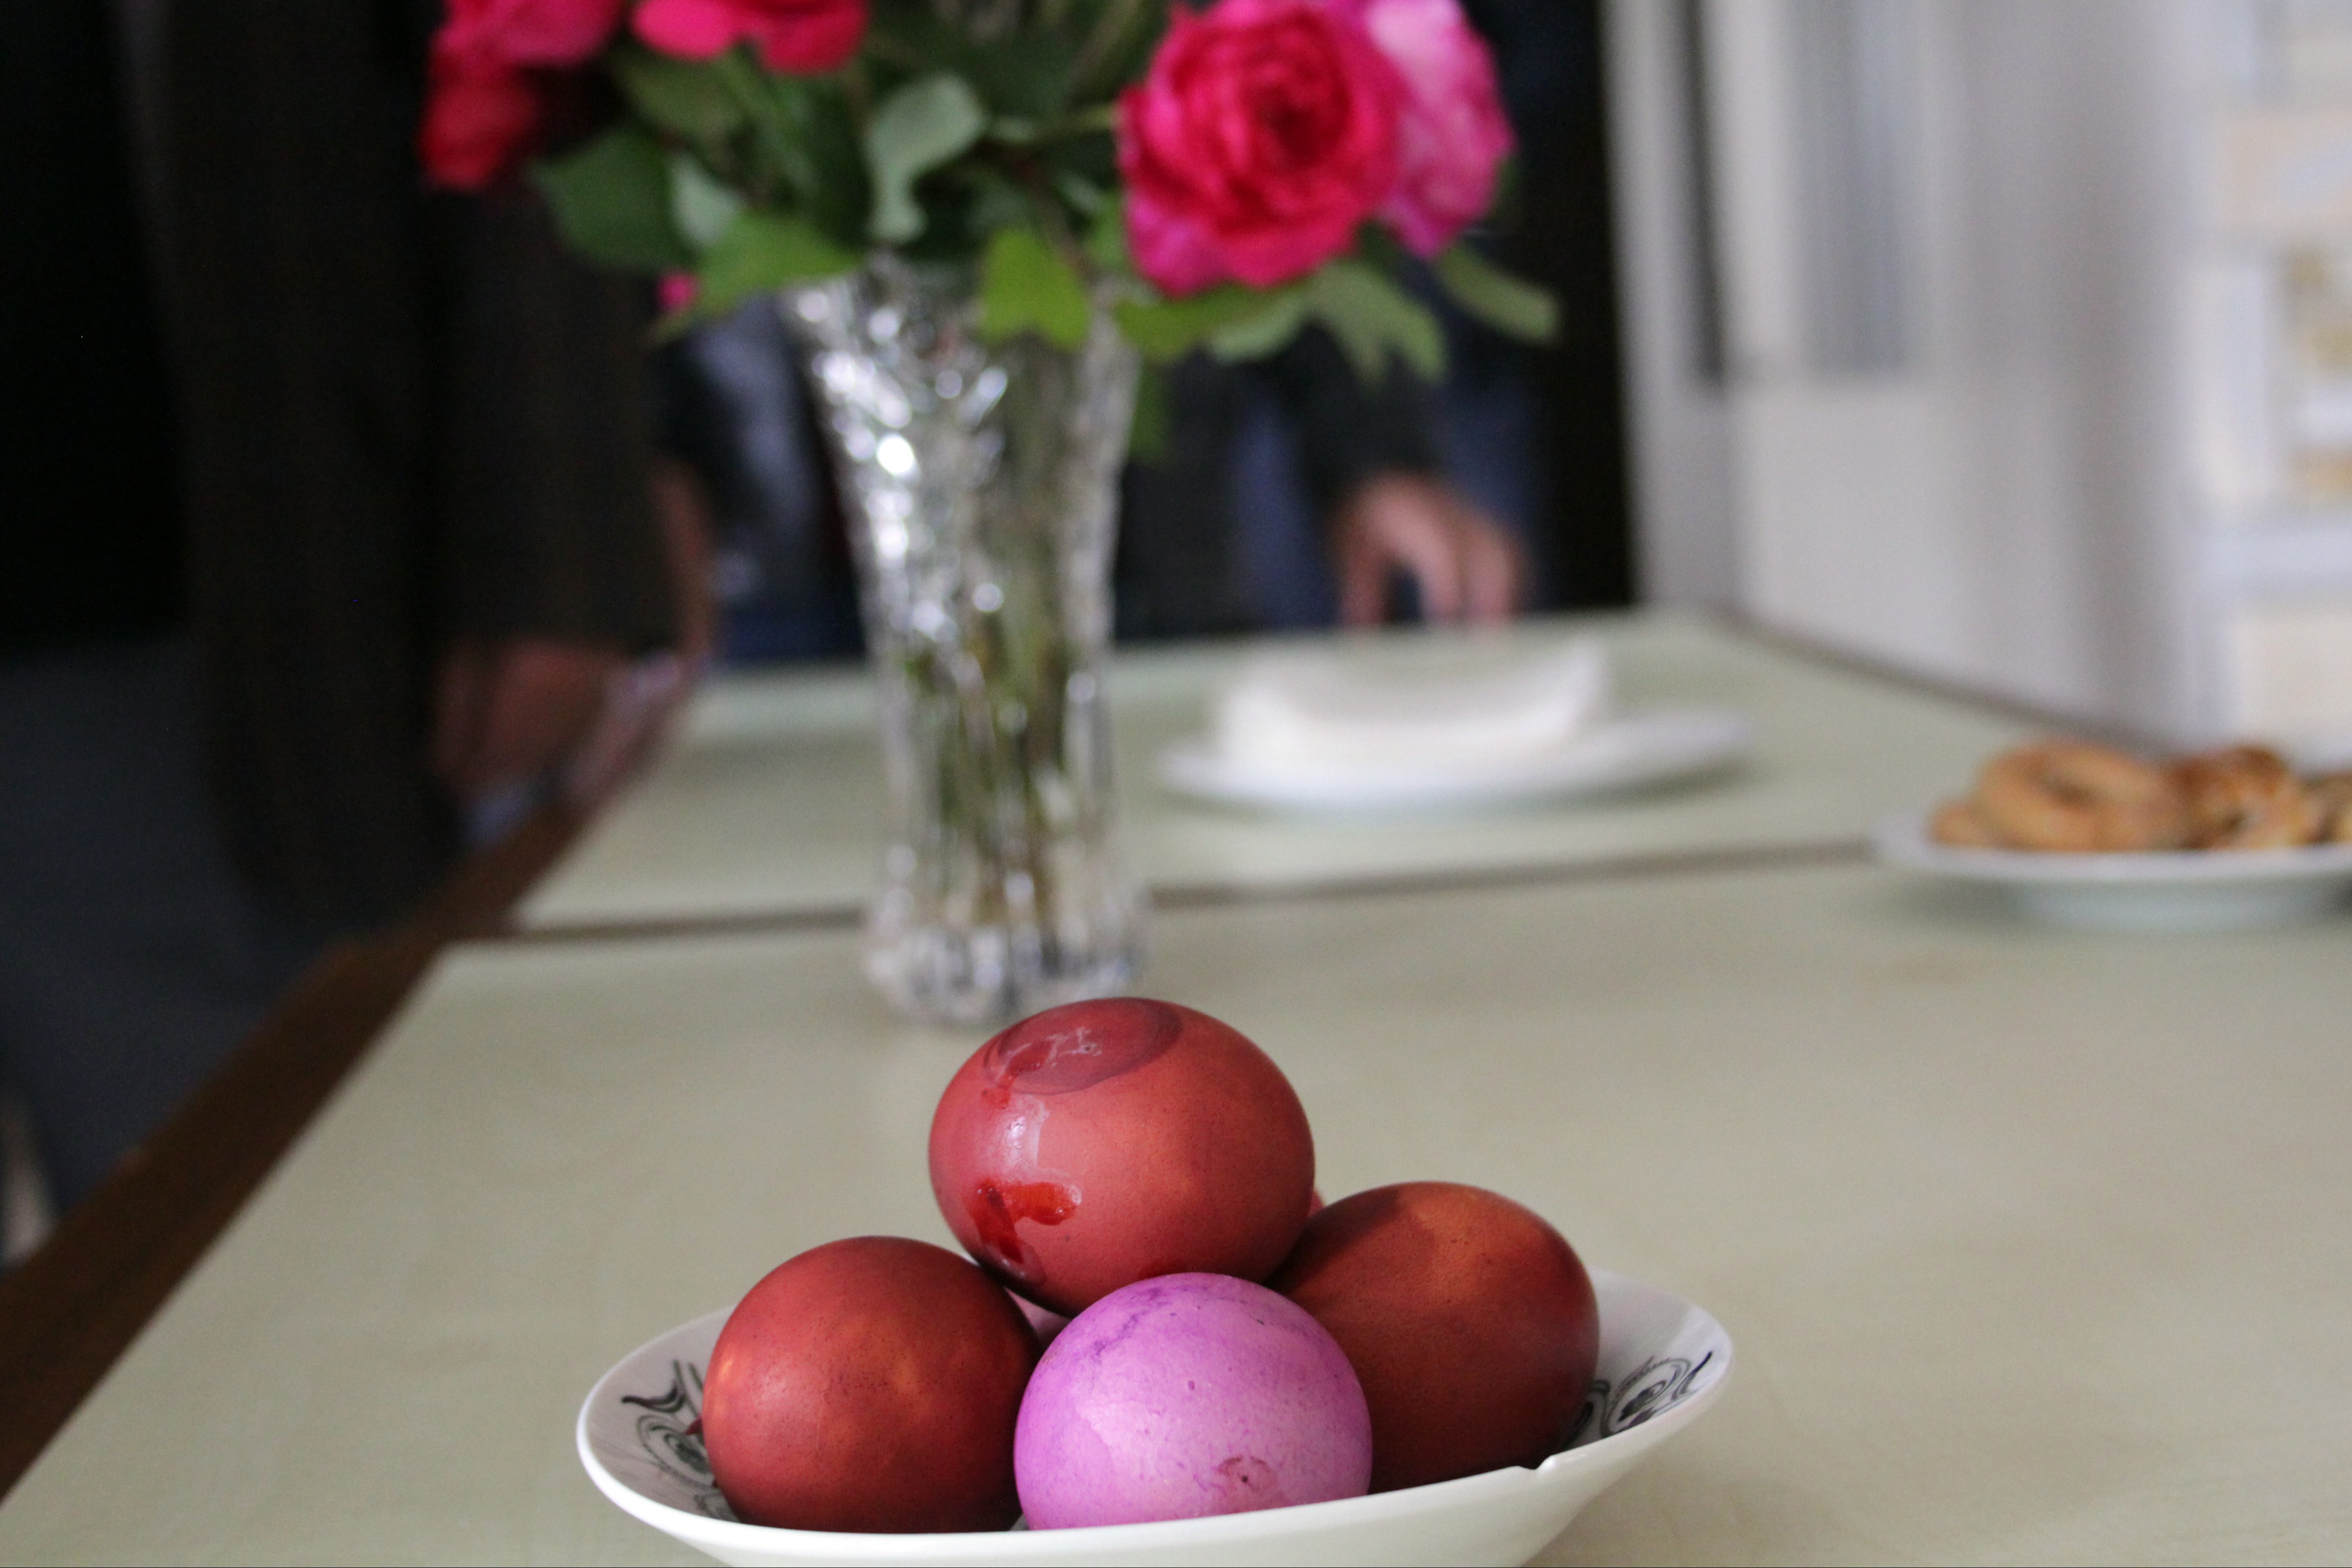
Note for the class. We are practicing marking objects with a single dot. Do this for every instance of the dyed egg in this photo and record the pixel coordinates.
(1471, 1322)
(1106, 1142)
(1186, 1396)
(869, 1384)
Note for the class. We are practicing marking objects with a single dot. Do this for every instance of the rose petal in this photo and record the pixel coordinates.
(479, 124)
(812, 40)
(1452, 134)
(691, 29)
(1173, 253)
(1263, 135)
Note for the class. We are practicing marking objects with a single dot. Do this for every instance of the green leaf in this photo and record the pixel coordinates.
(809, 133)
(1082, 194)
(685, 97)
(1120, 37)
(1268, 331)
(1087, 152)
(703, 207)
(763, 251)
(902, 31)
(1107, 237)
(1025, 284)
(765, 102)
(1371, 317)
(996, 202)
(1025, 75)
(1510, 305)
(929, 121)
(612, 202)
(1155, 412)
(1166, 330)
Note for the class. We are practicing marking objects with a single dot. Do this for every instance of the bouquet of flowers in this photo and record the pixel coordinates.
(977, 216)
(1216, 177)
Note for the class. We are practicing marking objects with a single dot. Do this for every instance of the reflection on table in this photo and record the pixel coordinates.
(767, 801)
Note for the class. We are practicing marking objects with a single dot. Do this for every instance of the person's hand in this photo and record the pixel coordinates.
(510, 711)
(1465, 565)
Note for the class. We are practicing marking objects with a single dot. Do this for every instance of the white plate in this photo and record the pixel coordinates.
(2184, 890)
(1627, 753)
(1663, 1362)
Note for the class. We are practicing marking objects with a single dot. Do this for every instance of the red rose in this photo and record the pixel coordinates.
(554, 33)
(800, 37)
(482, 119)
(492, 76)
(1264, 133)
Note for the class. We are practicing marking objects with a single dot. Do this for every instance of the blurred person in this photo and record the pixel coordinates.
(1298, 448)
(1516, 451)
(746, 472)
(1290, 495)
(330, 529)
(1548, 422)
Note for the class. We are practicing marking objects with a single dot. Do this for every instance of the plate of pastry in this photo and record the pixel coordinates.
(2090, 836)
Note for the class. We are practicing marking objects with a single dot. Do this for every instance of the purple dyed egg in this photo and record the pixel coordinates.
(1187, 1395)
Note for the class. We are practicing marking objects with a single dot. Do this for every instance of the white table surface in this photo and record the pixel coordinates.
(2034, 1245)
(767, 802)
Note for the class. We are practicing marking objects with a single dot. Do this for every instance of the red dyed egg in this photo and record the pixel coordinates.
(1470, 1322)
(870, 1385)
(1106, 1142)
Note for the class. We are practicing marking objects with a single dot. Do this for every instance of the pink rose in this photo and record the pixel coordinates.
(551, 33)
(800, 37)
(1451, 137)
(1263, 134)
(483, 118)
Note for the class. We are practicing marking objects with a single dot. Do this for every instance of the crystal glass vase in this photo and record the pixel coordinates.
(981, 483)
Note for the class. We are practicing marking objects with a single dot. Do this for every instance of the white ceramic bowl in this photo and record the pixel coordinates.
(2186, 890)
(1663, 1362)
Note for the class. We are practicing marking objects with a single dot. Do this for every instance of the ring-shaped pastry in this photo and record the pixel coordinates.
(2072, 796)
(1963, 825)
(2244, 798)
(2331, 802)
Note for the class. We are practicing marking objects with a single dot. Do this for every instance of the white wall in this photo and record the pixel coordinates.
(1678, 424)
(2005, 500)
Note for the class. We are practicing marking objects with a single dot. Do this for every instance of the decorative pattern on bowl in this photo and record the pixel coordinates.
(1663, 1362)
